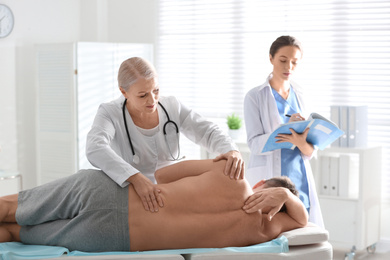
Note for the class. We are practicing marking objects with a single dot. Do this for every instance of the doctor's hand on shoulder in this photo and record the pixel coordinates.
(235, 166)
(147, 191)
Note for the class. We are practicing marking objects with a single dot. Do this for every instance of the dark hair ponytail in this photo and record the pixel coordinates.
(283, 41)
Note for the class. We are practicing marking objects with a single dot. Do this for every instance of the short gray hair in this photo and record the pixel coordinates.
(132, 69)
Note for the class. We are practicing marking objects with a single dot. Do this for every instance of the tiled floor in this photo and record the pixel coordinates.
(361, 255)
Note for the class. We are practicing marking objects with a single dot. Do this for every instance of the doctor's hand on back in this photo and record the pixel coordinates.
(138, 133)
(147, 191)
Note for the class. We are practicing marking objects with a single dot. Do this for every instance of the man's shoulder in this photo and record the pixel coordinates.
(280, 223)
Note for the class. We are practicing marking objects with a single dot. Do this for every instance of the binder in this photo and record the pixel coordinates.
(335, 117)
(325, 170)
(344, 126)
(334, 176)
(357, 126)
(344, 176)
(354, 179)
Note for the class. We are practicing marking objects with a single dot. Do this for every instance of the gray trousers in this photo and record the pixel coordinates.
(86, 211)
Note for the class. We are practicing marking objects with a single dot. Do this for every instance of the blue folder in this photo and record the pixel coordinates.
(322, 133)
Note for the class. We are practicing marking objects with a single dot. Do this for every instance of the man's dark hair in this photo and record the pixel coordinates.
(282, 181)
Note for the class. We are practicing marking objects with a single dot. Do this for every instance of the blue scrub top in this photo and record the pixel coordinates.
(292, 162)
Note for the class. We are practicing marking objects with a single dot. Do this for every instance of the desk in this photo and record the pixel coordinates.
(10, 183)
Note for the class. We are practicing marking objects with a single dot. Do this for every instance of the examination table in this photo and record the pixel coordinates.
(310, 242)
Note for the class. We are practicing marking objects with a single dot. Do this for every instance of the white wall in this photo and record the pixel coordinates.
(8, 144)
(42, 21)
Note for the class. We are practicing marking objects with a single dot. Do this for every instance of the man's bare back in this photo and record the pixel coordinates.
(199, 211)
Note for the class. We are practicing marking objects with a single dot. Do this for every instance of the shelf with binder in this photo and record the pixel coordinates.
(353, 120)
(348, 183)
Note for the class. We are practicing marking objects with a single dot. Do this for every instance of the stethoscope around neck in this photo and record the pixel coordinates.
(169, 121)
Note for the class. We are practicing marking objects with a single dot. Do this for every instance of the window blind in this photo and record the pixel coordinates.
(211, 52)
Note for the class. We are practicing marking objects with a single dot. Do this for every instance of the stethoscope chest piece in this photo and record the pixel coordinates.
(135, 159)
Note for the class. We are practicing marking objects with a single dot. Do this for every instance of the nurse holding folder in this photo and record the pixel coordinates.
(266, 107)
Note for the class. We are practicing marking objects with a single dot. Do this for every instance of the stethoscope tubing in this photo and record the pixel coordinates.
(169, 121)
(127, 129)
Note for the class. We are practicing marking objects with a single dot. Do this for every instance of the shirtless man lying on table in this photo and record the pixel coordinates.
(202, 208)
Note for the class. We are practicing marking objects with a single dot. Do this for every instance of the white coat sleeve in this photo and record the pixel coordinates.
(99, 152)
(254, 123)
(204, 132)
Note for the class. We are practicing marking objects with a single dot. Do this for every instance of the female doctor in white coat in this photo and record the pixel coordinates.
(138, 133)
(275, 102)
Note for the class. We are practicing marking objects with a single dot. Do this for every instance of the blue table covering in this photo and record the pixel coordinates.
(19, 251)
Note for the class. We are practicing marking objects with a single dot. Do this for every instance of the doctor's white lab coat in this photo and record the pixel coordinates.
(261, 118)
(108, 146)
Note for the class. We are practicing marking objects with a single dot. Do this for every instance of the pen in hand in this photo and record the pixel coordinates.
(298, 117)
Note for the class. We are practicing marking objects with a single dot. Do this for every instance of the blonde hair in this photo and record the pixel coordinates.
(132, 69)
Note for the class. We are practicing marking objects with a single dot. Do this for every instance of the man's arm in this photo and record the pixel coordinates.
(270, 201)
(183, 169)
(273, 199)
(295, 209)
